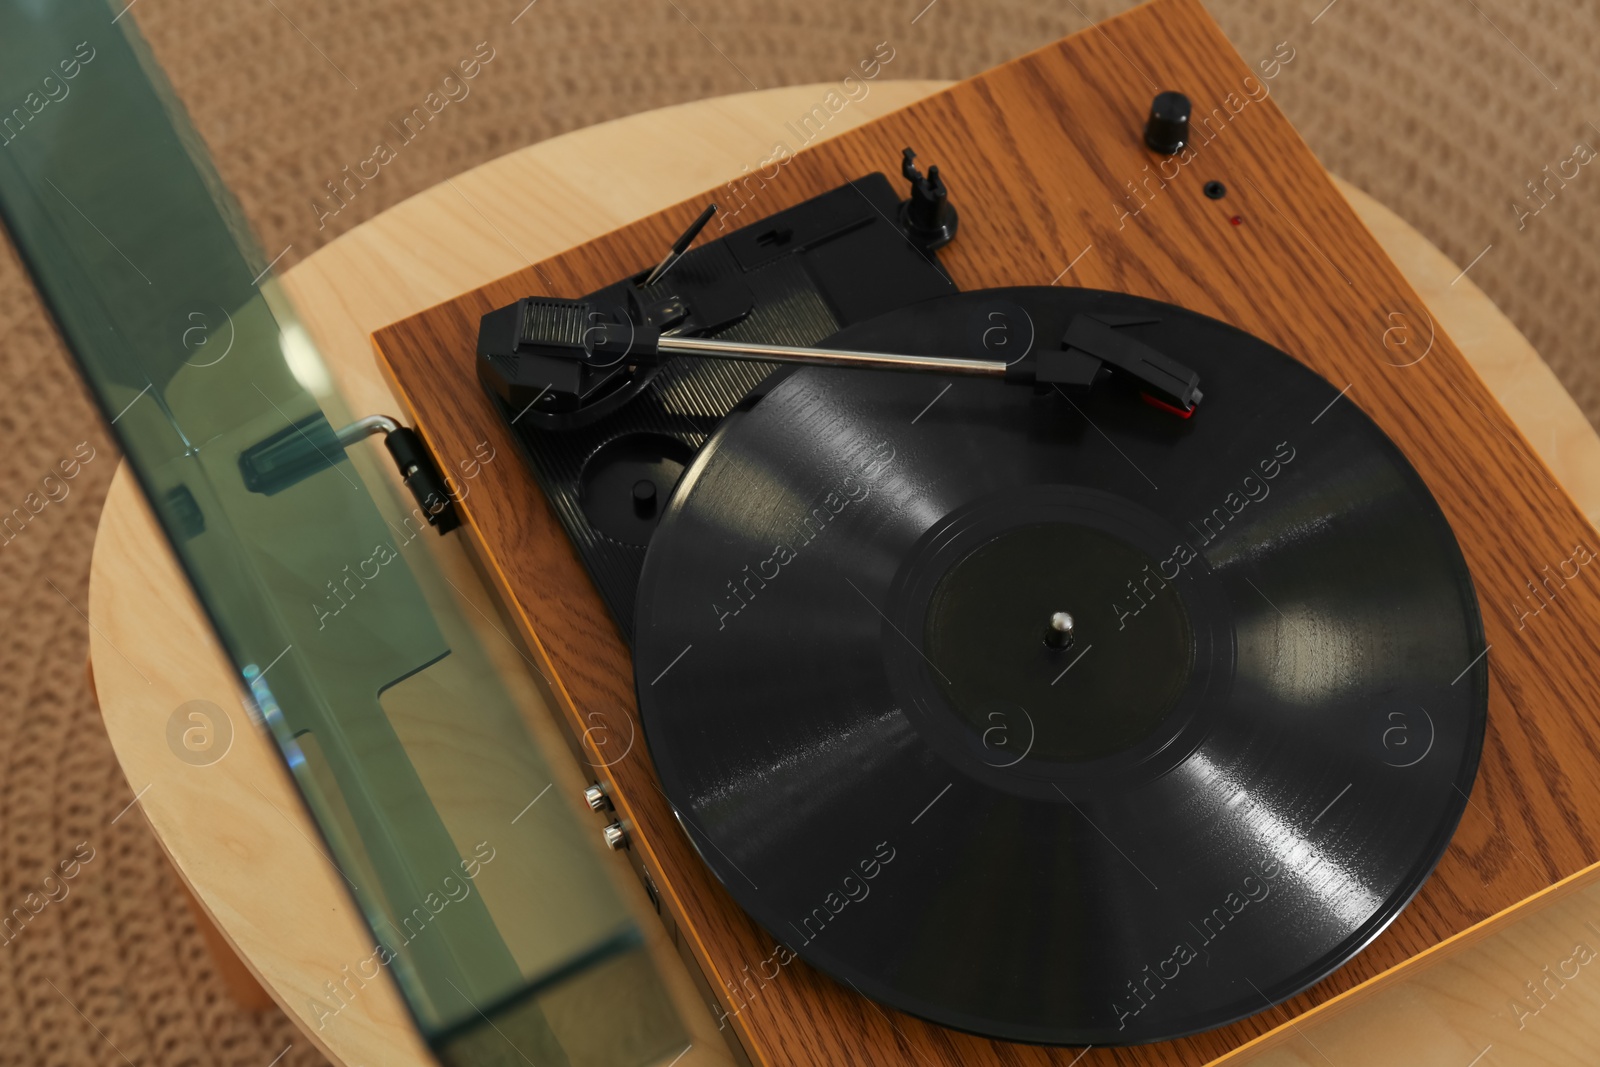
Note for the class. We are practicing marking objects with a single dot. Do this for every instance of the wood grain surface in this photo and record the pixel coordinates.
(1043, 151)
(1519, 989)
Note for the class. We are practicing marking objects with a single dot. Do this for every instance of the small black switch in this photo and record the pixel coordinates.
(1167, 130)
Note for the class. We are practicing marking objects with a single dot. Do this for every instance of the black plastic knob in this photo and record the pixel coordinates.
(1167, 130)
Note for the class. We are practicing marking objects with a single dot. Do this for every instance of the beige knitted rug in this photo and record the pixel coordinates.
(1445, 110)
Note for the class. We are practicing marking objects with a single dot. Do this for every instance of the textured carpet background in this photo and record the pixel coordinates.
(1442, 109)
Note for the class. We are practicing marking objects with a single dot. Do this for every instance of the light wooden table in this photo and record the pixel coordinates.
(236, 832)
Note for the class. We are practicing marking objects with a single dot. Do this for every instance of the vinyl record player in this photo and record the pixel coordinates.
(975, 656)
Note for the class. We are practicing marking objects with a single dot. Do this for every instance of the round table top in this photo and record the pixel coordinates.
(235, 829)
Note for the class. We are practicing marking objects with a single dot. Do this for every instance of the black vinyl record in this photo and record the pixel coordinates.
(1246, 762)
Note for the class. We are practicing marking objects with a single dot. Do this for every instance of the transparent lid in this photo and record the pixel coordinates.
(316, 573)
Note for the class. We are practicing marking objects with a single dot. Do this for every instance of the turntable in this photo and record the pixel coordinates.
(980, 660)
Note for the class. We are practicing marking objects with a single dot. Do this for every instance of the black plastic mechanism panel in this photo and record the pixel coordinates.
(608, 466)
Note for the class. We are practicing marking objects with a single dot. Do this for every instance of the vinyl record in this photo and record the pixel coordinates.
(1244, 763)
